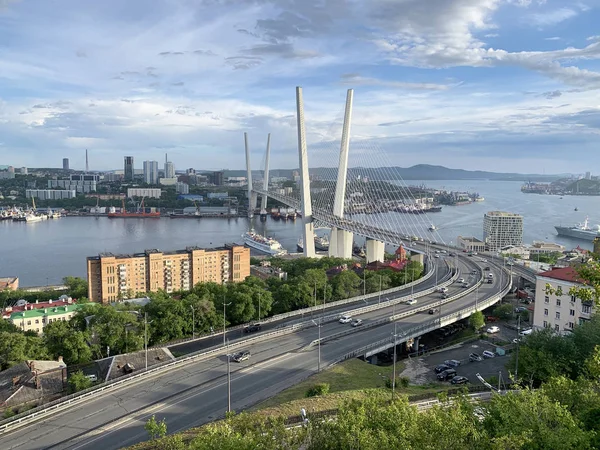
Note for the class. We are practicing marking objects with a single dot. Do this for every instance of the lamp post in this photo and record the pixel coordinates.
(146, 336)
(193, 322)
(380, 282)
(224, 321)
(228, 378)
(394, 363)
(259, 299)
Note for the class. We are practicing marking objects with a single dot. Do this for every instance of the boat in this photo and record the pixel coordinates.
(432, 227)
(139, 213)
(321, 243)
(576, 209)
(53, 215)
(262, 243)
(581, 231)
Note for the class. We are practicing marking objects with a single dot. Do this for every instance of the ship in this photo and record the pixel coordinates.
(432, 227)
(321, 243)
(581, 231)
(263, 244)
(139, 213)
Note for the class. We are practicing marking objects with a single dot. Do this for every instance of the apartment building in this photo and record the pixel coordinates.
(49, 194)
(501, 229)
(559, 312)
(144, 192)
(116, 277)
(35, 316)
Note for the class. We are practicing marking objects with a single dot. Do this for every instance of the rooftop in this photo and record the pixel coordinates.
(155, 250)
(40, 309)
(471, 239)
(501, 214)
(563, 274)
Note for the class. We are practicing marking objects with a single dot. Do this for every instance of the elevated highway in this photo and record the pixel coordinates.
(196, 393)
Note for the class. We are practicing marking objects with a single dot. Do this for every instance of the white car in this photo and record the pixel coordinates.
(412, 301)
(443, 290)
(460, 280)
(356, 322)
(488, 354)
(493, 329)
(345, 319)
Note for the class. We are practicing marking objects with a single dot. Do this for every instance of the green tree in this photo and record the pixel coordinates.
(63, 340)
(476, 320)
(78, 382)
(504, 312)
(345, 285)
(156, 429)
(77, 287)
(119, 330)
(12, 348)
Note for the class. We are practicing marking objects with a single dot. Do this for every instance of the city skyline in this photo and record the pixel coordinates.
(475, 84)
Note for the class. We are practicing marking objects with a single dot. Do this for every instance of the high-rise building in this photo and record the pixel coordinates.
(182, 188)
(129, 171)
(217, 178)
(151, 172)
(65, 163)
(116, 277)
(588, 175)
(24, 171)
(169, 170)
(501, 229)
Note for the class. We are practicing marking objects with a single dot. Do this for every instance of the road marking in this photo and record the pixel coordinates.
(114, 426)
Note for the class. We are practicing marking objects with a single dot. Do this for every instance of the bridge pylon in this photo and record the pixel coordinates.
(308, 231)
(252, 197)
(263, 200)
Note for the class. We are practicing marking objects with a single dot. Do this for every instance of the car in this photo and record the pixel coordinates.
(487, 268)
(466, 285)
(460, 280)
(252, 328)
(345, 319)
(92, 378)
(452, 254)
(492, 319)
(412, 301)
(475, 253)
(488, 354)
(475, 357)
(444, 295)
(452, 362)
(516, 340)
(433, 310)
(526, 332)
(490, 281)
(437, 256)
(490, 275)
(241, 356)
(520, 309)
(444, 251)
(446, 374)
(493, 329)
(440, 368)
(459, 380)
(437, 251)
(474, 272)
(443, 289)
(357, 322)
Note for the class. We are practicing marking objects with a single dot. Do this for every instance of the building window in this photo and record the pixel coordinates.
(29, 322)
(571, 325)
(546, 311)
(586, 309)
(557, 315)
(556, 328)
(546, 299)
(558, 302)
(571, 312)
(573, 298)
(37, 321)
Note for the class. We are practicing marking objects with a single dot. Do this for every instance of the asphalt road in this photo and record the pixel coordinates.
(196, 393)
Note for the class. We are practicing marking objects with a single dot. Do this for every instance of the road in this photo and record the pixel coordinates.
(196, 393)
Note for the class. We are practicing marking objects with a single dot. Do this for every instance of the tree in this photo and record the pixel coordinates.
(78, 382)
(12, 348)
(63, 340)
(476, 320)
(156, 429)
(119, 330)
(503, 312)
(77, 287)
(345, 285)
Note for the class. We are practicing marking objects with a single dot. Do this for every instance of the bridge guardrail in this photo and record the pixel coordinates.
(427, 327)
(302, 312)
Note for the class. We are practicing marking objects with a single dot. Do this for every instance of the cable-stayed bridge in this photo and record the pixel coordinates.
(368, 200)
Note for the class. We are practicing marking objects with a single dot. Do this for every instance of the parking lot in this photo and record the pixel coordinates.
(420, 369)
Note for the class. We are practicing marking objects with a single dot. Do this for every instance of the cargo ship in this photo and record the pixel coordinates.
(581, 231)
(139, 213)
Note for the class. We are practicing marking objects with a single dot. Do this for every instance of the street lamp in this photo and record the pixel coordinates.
(193, 323)
(319, 345)
(146, 335)
(224, 321)
(228, 378)
(380, 281)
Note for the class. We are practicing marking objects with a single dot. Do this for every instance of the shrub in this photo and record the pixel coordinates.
(8, 413)
(318, 389)
(401, 382)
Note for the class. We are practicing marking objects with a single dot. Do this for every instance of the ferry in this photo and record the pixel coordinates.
(263, 244)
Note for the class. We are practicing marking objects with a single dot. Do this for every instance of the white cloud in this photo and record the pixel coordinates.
(553, 38)
(550, 18)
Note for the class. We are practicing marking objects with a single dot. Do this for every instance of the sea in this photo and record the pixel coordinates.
(43, 253)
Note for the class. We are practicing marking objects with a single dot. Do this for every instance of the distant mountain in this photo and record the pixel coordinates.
(418, 172)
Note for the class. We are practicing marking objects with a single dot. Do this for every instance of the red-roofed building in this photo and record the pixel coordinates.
(560, 310)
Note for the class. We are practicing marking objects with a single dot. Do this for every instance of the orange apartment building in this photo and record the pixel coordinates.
(115, 277)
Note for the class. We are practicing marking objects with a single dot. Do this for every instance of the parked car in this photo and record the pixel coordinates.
(446, 374)
(241, 356)
(92, 378)
(459, 380)
(474, 357)
(252, 327)
(492, 319)
(520, 309)
(433, 310)
(440, 368)
(493, 329)
(526, 332)
(488, 354)
(452, 362)
(345, 319)
(412, 301)
(357, 322)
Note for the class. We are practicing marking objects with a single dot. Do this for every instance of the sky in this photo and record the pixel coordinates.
(499, 85)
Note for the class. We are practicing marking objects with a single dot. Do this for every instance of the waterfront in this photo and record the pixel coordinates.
(44, 252)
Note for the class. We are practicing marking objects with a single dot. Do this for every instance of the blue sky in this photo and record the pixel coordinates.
(501, 85)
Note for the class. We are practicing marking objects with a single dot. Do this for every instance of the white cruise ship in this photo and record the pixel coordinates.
(264, 244)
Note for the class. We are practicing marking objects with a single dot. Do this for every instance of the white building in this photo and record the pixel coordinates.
(50, 194)
(169, 170)
(470, 244)
(144, 192)
(151, 172)
(182, 188)
(518, 251)
(559, 312)
(167, 181)
(501, 229)
(541, 247)
(83, 184)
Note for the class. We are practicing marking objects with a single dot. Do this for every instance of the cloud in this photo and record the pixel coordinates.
(553, 38)
(179, 83)
(286, 51)
(205, 52)
(552, 94)
(357, 80)
(81, 54)
(171, 53)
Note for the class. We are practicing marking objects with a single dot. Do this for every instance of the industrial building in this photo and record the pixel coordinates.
(117, 277)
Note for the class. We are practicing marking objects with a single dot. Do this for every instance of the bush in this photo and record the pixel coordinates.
(318, 389)
(8, 413)
(401, 382)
